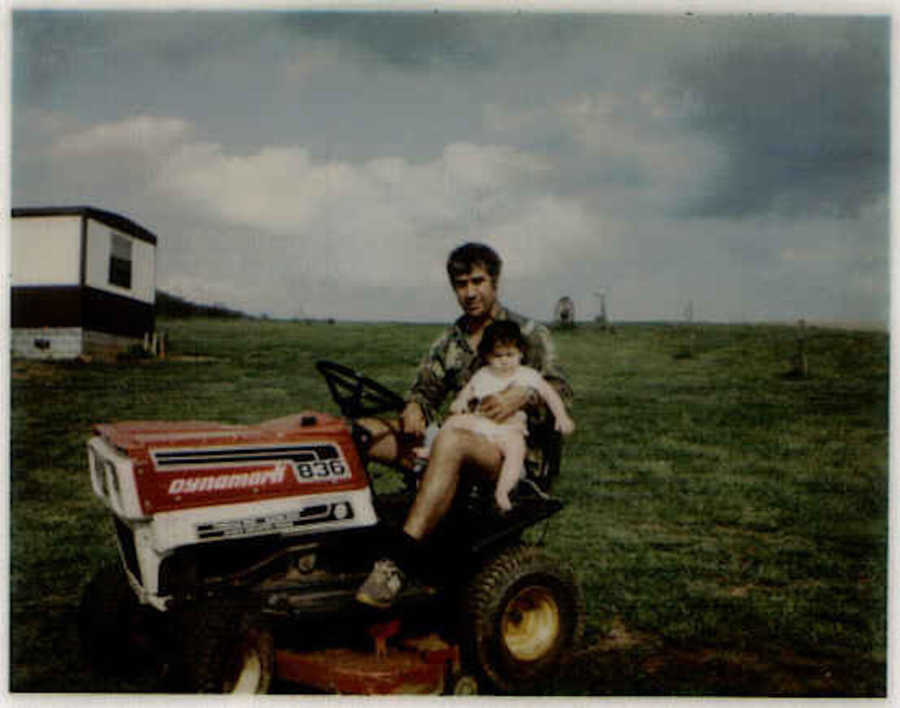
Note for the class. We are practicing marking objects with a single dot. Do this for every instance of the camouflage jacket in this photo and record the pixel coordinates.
(450, 362)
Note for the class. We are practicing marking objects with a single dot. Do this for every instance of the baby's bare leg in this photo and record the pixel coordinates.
(512, 445)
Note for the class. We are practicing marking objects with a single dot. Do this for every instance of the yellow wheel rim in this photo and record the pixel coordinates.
(530, 623)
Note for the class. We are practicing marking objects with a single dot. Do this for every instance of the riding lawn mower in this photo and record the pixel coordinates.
(242, 547)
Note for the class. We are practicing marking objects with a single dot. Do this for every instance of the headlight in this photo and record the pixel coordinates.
(113, 476)
(100, 473)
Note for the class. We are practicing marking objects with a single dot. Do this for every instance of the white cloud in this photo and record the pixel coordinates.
(501, 118)
(372, 211)
(277, 230)
(284, 190)
(488, 167)
(146, 136)
(635, 146)
(386, 222)
(636, 134)
(549, 233)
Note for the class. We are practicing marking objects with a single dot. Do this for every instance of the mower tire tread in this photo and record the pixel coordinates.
(513, 576)
(105, 617)
(216, 633)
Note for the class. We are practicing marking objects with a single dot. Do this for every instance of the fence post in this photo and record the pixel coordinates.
(800, 369)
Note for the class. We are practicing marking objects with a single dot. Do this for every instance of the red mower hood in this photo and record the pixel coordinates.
(133, 436)
(198, 463)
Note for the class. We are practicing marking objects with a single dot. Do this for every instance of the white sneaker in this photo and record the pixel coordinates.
(383, 585)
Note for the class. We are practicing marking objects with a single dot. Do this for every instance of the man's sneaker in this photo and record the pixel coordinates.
(383, 585)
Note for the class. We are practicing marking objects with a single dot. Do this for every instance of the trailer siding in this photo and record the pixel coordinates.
(46, 251)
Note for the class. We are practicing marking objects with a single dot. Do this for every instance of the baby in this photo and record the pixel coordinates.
(502, 347)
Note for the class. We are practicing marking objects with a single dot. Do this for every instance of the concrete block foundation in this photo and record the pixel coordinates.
(67, 343)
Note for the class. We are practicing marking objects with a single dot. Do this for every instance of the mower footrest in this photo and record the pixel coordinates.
(305, 603)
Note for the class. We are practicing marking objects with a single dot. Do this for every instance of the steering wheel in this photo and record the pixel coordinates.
(356, 395)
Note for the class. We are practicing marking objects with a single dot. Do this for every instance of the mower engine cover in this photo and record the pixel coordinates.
(174, 484)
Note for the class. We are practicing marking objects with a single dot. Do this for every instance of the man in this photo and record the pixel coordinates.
(474, 272)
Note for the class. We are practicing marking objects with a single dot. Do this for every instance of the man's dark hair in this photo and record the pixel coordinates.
(502, 332)
(469, 255)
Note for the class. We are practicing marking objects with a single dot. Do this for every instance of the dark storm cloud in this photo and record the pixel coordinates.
(180, 38)
(415, 40)
(53, 48)
(52, 41)
(409, 40)
(43, 50)
(801, 107)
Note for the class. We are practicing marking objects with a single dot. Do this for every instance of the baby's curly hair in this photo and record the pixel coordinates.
(502, 332)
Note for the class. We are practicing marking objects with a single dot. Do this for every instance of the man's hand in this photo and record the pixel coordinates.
(412, 420)
(501, 405)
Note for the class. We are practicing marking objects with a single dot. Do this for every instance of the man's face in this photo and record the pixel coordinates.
(476, 292)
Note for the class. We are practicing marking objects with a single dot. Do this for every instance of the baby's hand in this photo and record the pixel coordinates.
(502, 499)
(565, 425)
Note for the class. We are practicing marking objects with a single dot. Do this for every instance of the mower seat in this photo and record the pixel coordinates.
(543, 471)
(475, 520)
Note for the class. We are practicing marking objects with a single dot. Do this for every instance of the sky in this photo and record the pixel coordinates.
(323, 164)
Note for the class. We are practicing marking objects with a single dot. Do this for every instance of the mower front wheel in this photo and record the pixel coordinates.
(228, 649)
(522, 613)
(106, 617)
(462, 685)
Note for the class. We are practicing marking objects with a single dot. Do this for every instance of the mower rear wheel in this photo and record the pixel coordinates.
(227, 649)
(522, 613)
(106, 617)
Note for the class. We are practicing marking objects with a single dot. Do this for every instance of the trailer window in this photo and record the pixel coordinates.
(120, 261)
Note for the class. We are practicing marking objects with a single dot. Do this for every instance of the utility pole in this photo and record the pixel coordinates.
(601, 318)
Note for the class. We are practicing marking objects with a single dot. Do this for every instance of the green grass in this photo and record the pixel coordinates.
(729, 519)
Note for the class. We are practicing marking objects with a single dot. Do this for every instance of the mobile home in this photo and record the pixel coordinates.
(83, 282)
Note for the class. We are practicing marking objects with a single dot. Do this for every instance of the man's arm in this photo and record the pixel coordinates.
(412, 420)
(429, 388)
(501, 405)
(391, 438)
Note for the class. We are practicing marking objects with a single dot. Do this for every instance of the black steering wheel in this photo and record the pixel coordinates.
(356, 395)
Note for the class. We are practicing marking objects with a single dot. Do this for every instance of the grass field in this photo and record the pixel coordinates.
(728, 523)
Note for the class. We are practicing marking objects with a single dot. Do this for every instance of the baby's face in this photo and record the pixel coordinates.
(505, 359)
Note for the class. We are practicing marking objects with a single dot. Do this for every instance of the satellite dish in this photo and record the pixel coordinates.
(564, 312)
